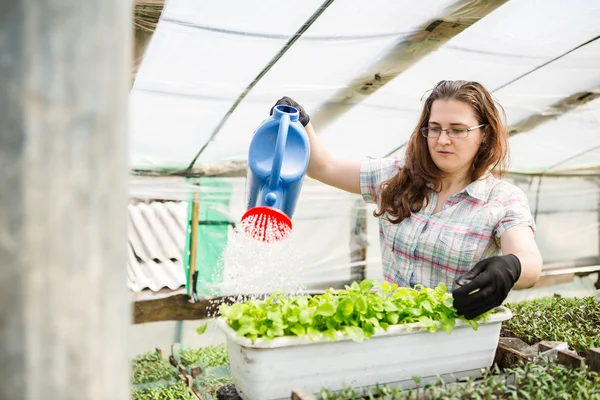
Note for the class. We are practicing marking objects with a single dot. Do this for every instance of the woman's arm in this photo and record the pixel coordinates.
(519, 240)
(324, 167)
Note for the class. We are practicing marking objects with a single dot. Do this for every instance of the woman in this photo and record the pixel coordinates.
(442, 212)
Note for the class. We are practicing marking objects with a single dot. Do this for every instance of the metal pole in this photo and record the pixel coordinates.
(64, 309)
(194, 244)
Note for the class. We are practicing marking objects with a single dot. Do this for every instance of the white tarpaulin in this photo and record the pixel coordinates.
(214, 68)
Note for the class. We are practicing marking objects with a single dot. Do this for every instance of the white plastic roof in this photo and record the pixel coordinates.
(214, 68)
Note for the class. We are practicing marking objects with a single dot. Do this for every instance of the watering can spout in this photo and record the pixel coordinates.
(277, 162)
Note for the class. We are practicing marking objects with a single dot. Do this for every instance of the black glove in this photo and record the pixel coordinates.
(494, 277)
(286, 101)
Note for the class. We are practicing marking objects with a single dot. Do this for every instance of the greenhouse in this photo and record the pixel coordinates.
(309, 310)
(207, 79)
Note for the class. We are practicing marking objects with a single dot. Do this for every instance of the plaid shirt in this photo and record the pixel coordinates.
(429, 248)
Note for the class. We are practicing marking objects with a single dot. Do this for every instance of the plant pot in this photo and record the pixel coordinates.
(270, 370)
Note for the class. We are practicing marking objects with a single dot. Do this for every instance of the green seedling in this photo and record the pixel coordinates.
(174, 391)
(358, 312)
(209, 356)
(150, 367)
(201, 329)
(575, 321)
(537, 380)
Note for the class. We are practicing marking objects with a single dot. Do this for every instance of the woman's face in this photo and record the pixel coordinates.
(453, 155)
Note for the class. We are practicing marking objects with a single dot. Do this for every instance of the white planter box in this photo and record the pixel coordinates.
(270, 371)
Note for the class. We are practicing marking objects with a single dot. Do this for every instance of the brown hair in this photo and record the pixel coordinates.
(407, 191)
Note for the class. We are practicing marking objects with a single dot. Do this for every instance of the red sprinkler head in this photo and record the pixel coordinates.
(267, 224)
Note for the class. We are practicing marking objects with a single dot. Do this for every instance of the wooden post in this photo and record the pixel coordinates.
(194, 242)
(64, 309)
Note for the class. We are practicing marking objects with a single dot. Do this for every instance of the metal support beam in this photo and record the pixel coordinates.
(554, 111)
(404, 54)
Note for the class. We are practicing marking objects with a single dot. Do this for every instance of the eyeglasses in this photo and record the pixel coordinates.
(453, 133)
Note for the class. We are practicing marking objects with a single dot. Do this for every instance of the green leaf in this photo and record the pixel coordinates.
(427, 306)
(236, 311)
(448, 324)
(368, 329)
(302, 301)
(414, 311)
(305, 316)
(292, 318)
(441, 289)
(472, 323)
(346, 307)
(313, 334)
(201, 329)
(330, 334)
(388, 306)
(355, 333)
(449, 302)
(326, 310)
(274, 315)
(331, 324)
(361, 304)
(366, 285)
(298, 330)
(355, 286)
(247, 329)
(385, 286)
(393, 318)
(428, 323)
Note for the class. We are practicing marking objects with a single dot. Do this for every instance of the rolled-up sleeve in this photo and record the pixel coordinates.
(375, 171)
(516, 212)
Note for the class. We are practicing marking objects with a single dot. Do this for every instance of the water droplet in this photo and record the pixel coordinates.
(260, 257)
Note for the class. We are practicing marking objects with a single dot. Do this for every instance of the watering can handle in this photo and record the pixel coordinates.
(284, 124)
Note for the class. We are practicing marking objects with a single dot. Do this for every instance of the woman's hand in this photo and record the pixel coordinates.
(304, 118)
(486, 285)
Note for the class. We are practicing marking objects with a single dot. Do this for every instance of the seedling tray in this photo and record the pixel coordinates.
(195, 368)
(163, 392)
(160, 382)
(511, 351)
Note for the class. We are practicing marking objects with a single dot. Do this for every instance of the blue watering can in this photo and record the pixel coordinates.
(277, 162)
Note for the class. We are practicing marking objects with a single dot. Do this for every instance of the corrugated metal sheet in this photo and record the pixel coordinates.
(156, 241)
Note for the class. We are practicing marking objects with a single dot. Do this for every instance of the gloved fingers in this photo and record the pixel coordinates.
(481, 280)
(484, 293)
(477, 309)
(477, 269)
(284, 101)
(462, 280)
(304, 118)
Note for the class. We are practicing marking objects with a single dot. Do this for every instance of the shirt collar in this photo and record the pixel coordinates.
(480, 188)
